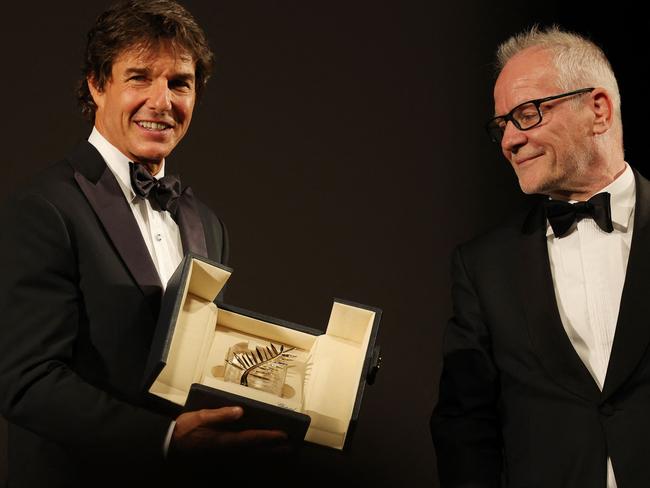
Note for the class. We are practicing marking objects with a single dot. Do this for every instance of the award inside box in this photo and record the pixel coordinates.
(284, 375)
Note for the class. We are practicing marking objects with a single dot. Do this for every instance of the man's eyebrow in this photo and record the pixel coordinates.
(182, 76)
(136, 71)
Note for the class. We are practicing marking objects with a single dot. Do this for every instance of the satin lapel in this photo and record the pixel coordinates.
(190, 225)
(107, 200)
(547, 335)
(633, 328)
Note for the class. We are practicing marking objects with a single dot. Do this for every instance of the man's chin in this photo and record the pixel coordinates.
(532, 186)
(536, 179)
(549, 187)
(150, 155)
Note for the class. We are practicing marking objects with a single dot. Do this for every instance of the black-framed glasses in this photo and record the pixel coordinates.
(524, 116)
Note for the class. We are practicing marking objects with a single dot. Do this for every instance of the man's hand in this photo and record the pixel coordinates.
(210, 430)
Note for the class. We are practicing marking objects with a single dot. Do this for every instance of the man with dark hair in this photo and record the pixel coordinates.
(118, 29)
(546, 376)
(86, 252)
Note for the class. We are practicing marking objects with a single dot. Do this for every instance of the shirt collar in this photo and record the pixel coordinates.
(622, 199)
(118, 163)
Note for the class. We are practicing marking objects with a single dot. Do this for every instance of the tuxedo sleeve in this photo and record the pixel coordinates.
(40, 308)
(465, 424)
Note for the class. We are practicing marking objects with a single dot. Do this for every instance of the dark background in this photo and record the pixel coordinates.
(342, 144)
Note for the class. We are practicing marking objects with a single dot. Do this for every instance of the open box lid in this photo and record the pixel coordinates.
(196, 275)
(348, 323)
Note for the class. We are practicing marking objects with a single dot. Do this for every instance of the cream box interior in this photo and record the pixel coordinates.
(325, 376)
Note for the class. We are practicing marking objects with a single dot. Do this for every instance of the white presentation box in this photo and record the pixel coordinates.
(319, 398)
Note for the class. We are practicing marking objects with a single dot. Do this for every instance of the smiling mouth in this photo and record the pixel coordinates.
(519, 162)
(153, 126)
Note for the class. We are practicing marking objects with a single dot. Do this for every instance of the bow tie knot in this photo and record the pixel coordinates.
(561, 215)
(163, 193)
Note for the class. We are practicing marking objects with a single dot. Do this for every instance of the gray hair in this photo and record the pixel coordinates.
(580, 63)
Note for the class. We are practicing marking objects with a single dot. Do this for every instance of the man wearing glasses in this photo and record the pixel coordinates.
(546, 377)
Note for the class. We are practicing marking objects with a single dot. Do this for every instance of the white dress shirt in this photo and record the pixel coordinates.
(588, 267)
(158, 229)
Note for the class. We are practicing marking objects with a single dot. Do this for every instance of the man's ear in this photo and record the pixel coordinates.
(603, 108)
(95, 91)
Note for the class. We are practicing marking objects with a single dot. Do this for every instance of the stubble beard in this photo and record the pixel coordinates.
(568, 176)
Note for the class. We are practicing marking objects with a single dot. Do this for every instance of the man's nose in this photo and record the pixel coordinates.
(160, 96)
(513, 138)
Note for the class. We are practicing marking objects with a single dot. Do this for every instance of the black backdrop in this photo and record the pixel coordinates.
(342, 144)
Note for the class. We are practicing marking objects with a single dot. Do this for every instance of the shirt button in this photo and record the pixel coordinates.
(158, 237)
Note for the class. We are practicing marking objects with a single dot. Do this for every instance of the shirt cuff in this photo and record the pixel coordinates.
(168, 438)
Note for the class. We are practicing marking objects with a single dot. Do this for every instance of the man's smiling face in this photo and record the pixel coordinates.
(145, 107)
(554, 157)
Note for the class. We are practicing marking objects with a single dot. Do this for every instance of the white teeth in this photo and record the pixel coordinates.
(152, 125)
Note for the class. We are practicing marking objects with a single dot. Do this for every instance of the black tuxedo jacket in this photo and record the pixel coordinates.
(79, 299)
(517, 405)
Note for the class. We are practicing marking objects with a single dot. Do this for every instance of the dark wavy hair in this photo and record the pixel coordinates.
(141, 23)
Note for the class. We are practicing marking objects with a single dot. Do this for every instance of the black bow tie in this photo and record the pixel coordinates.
(163, 193)
(561, 215)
